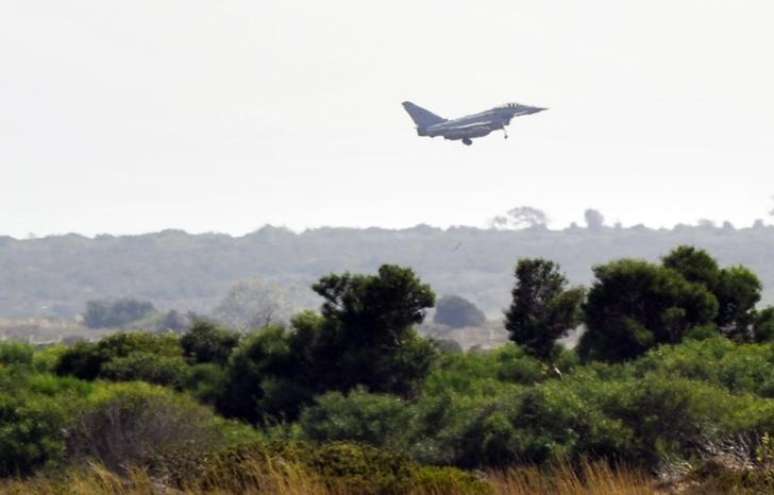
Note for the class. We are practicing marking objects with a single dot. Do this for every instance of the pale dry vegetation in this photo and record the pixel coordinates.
(291, 479)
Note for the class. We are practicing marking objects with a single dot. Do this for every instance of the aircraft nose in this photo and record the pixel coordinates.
(536, 109)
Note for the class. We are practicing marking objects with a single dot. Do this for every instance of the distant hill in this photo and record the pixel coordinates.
(55, 276)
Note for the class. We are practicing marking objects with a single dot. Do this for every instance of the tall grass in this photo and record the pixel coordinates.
(291, 479)
(590, 479)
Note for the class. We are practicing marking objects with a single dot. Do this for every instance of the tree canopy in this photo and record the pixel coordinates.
(543, 309)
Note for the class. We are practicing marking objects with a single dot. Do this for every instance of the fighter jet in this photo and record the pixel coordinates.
(468, 127)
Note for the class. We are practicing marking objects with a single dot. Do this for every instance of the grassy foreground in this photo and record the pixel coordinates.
(596, 479)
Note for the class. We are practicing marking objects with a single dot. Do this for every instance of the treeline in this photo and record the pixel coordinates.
(676, 364)
(56, 276)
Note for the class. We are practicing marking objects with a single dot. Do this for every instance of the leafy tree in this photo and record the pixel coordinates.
(265, 380)
(364, 337)
(763, 328)
(458, 312)
(543, 309)
(378, 420)
(368, 336)
(86, 360)
(170, 371)
(635, 305)
(738, 291)
(104, 314)
(206, 342)
(695, 265)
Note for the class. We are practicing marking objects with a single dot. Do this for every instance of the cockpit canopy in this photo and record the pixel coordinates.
(520, 109)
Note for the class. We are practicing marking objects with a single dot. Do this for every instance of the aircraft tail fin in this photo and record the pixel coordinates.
(421, 117)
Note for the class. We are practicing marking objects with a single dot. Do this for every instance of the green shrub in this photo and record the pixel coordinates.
(30, 433)
(206, 382)
(136, 424)
(736, 367)
(152, 368)
(205, 342)
(86, 360)
(378, 420)
(12, 353)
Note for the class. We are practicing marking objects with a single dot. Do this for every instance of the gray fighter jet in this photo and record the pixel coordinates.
(468, 127)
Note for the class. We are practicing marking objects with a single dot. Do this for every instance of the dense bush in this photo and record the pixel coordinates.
(378, 420)
(86, 360)
(152, 368)
(135, 424)
(354, 396)
(205, 342)
(12, 353)
(30, 433)
(364, 337)
(543, 308)
(635, 305)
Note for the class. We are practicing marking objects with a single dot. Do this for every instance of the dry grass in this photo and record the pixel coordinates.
(290, 479)
(591, 479)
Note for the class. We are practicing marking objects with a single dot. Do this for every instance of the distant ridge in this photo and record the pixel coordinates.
(56, 275)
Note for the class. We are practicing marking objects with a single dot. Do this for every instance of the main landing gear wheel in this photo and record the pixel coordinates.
(506, 134)
(467, 142)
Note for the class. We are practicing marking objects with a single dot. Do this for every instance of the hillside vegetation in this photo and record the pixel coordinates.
(671, 389)
(57, 276)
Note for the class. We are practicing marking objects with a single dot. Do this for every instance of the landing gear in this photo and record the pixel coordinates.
(467, 142)
(506, 133)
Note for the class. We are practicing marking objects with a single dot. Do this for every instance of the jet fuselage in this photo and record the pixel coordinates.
(468, 127)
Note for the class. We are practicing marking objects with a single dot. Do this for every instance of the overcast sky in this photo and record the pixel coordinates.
(135, 116)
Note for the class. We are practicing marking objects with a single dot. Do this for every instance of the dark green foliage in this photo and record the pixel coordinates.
(390, 301)
(82, 360)
(34, 411)
(206, 382)
(717, 361)
(695, 265)
(635, 305)
(206, 342)
(702, 332)
(86, 360)
(738, 291)
(171, 371)
(30, 433)
(359, 372)
(542, 308)
(265, 379)
(378, 420)
(364, 337)
(111, 314)
(12, 353)
(763, 329)
(458, 312)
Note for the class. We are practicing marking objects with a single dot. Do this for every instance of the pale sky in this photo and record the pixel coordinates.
(136, 116)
